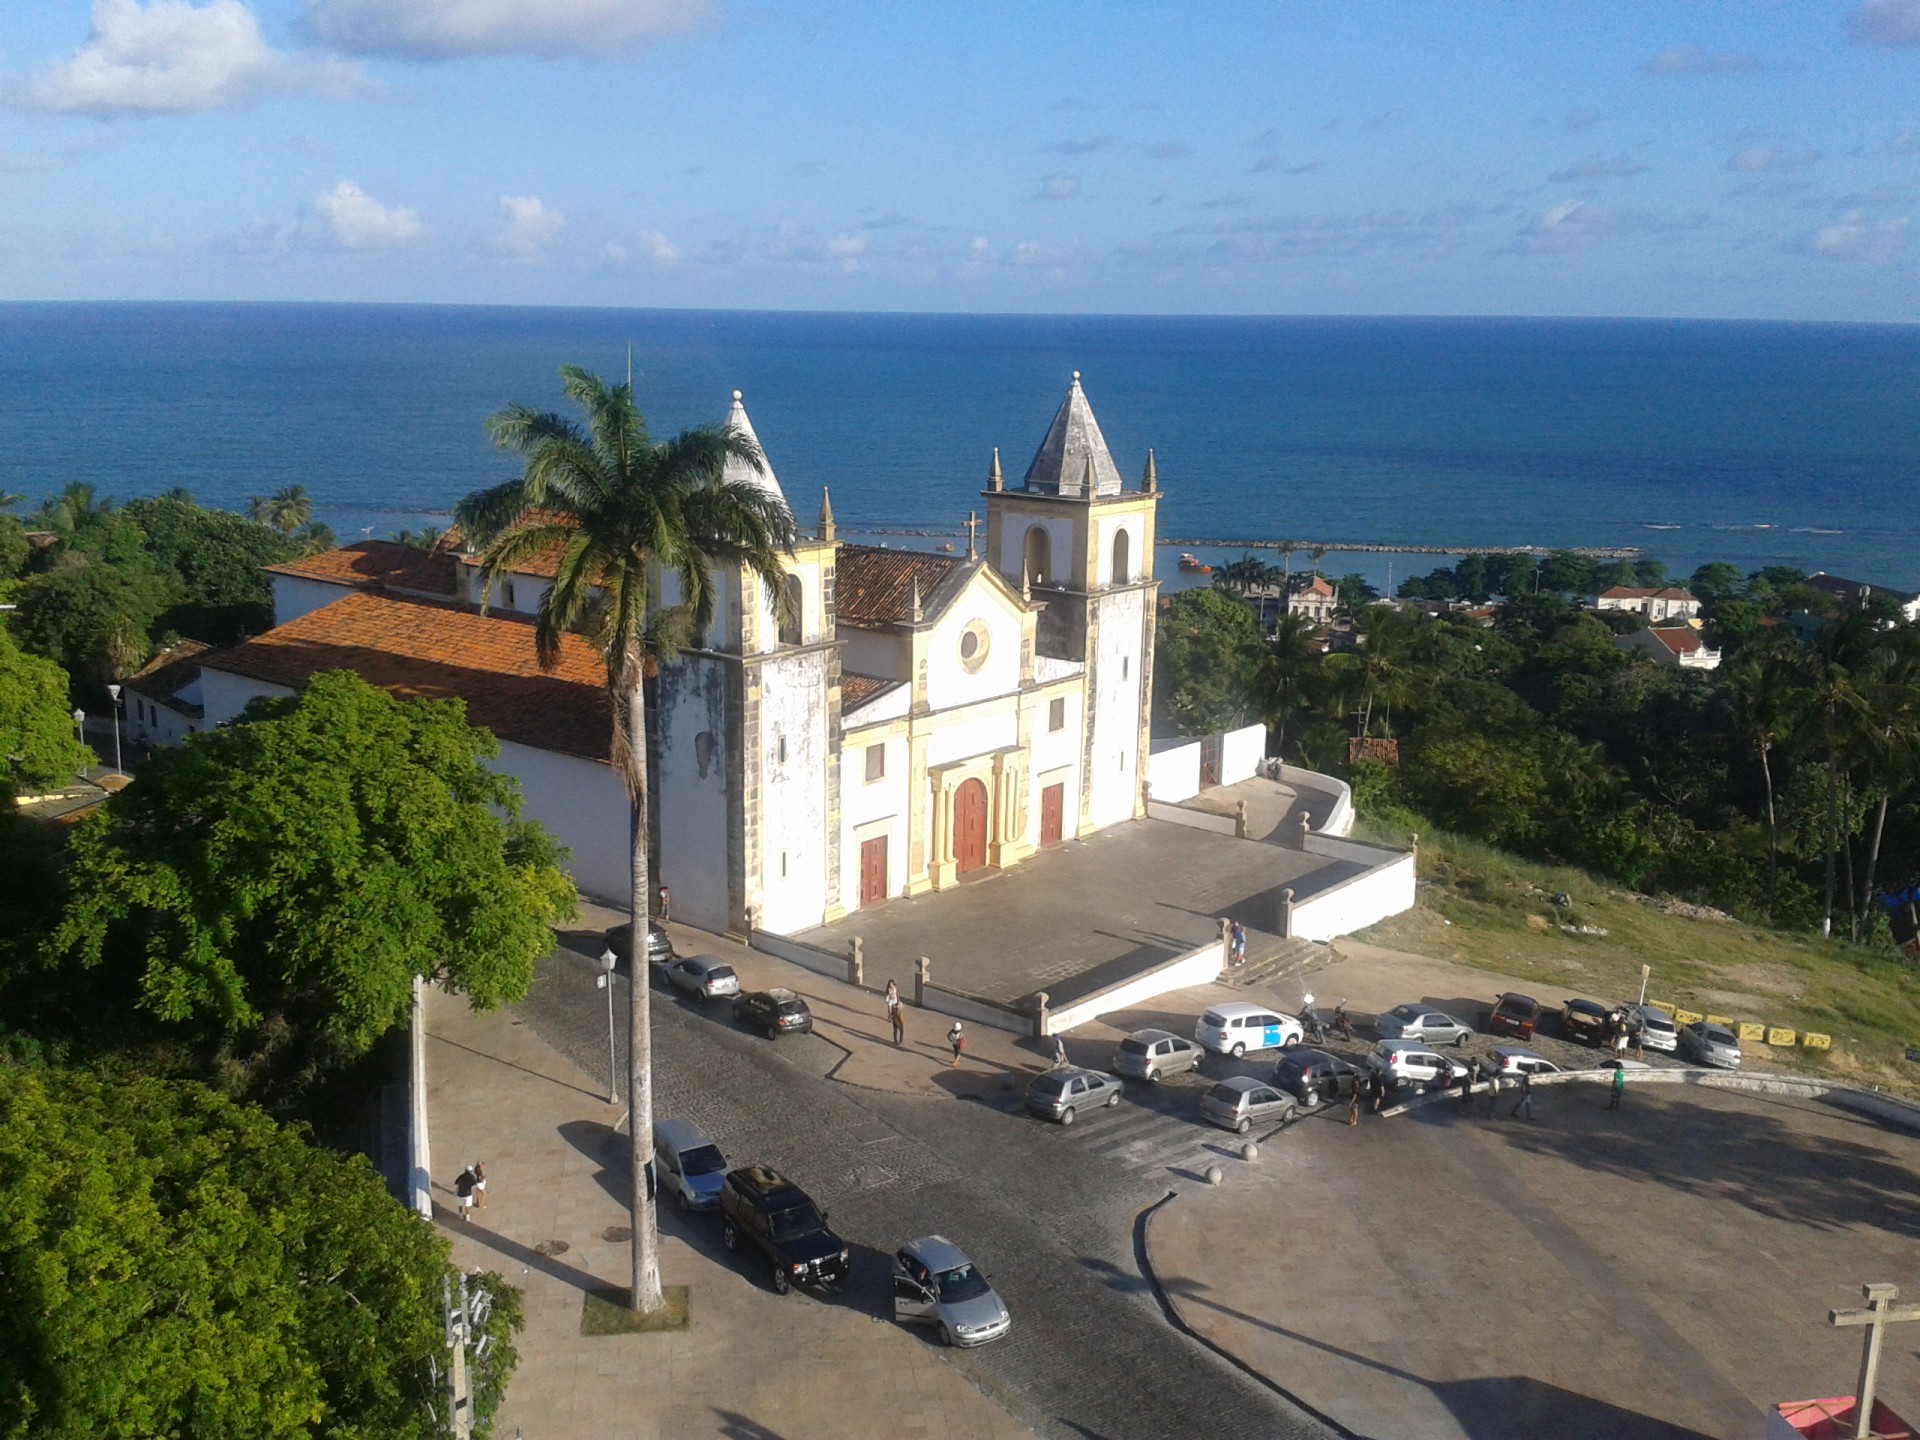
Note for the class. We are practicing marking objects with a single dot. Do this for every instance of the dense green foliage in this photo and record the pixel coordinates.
(174, 1264)
(278, 883)
(216, 557)
(37, 744)
(1207, 654)
(1784, 786)
(94, 603)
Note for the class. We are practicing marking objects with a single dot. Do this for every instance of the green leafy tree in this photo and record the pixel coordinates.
(1716, 582)
(94, 608)
(1287, 681)
(176, 1264)
(37, 744)
(216, 557)
(1355, 590)
(617, 502)
(286, 510)
(73, 511)
(1207, 660)
(1380, 673)
(1564, 573)
(291, 874)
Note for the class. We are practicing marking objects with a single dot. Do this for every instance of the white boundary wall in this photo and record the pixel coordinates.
(1242, 752)
(1173, 770)
(1192, 819)
(1196, 967)
(1340, 820)
(1387, 889)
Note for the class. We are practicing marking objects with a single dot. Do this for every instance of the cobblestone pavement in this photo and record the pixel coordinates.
(1051, 1214)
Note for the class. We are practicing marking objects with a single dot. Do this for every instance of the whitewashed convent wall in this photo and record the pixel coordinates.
(870, 809)
(696, 740)
(1056, 760)
(949, 682)
(295, 595)
(793, 791)
(1119, 645)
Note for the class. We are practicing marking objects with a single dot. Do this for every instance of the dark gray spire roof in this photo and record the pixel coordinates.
(1074, 452)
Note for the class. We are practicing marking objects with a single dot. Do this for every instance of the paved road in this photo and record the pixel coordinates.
(1050, 1213)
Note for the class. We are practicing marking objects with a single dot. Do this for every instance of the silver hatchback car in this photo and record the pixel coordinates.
(1149, 1054)
(1243, 1102)
(1062, 1093)
(1710, 1045)
(702, 976)
(1423, 1022)
(934, 1281)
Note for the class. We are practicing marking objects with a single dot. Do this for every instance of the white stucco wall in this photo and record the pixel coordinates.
(872, 808)
(583, 805)
(152, 724)
(1386, 890)
(295, 595)
(812, 607)
(691, 797)
(224, 696)
(793, 791)
(1242, 752)
(1013, 546)
(1173, 769)
(959, 739)
(1116, 676)
(949, 682)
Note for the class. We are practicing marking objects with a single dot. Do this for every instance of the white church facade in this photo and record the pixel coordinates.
(919, 720)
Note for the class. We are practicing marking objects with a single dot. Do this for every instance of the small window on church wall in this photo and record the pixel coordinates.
(1057, 714)
(876, 763)
(796, 597)
(703, 751)
(1126, 666)
(780, 747)
(1121, 545)
(973, 647)
(506, 593)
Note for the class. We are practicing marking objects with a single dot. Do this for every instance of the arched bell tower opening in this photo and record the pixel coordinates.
(1122, 559)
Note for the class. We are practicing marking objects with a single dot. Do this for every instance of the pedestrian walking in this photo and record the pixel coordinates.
(1619, 1089)
(1236, 944)
(1493, 1089)
(666, 904)
(1376, 1091)
(894, 1017)
(480, 1184)
(957, 1038)
(1620, 1043)
(1466, 1089)
(463, 1192)
(1059, 1050)
(1525, 1102)
(1353, 1107)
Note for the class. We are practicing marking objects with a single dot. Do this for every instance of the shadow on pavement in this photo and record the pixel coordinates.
(513, 1250)
(738, 1427)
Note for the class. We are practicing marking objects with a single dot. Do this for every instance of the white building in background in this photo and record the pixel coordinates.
(1665, 602)
(915, 720)
(1677, 645)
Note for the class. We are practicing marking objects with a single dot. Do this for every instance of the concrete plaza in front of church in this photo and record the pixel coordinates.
(1085, 914)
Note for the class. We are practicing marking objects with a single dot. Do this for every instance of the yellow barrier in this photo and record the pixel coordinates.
(1686, 1017)
(1721, 1020)
(1665, 1007)
(1817, 1042)
(1780, 1037)
(1756, 1033)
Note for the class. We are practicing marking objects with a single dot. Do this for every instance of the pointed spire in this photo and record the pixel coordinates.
(738, 470)
(1087, 478)
(994, 482)
(825, 530)
(915, 602)
(1150, 482)
(1073, 459)
(1026, 585)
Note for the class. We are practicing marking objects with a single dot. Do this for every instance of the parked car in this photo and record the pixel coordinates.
(704, 977)
(1657, 1030)
(1061, 1093)
(1587, 1021)
(1242, 1102)
(1621, 1064)
(1514, 1016)
(769, 1214)
(1713, 1045)
(1423, 1022)
(934, 1281)
(1150, 1054)
(1311, 1076)
(1236, 1028)
(777, 1012)
(688, 1163)
(1410, 1063)
(1512, 1060)
(620, 941)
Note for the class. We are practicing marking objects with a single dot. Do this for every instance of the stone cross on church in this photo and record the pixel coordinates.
(1879, 1313)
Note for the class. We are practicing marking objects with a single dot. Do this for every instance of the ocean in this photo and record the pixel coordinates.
(1755, 443)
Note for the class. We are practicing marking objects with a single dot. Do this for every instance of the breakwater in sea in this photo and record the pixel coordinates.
(1330, 547)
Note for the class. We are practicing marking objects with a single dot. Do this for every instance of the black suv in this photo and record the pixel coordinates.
(1311, 1076)
(768, 1212)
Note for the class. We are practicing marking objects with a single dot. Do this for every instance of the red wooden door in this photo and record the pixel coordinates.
(969, 827)
(873, 870)
(1052, 802)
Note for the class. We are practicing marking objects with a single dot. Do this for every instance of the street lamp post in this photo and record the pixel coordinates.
(114, 691)
(80, 726)
(605, 982)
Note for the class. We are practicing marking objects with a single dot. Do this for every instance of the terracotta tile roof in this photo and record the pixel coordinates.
(416, 649)
(1680, 639)
(373, 564)
(545, 564)
(1629, 592)
(873, 586)
(170, 672)
(858, 689)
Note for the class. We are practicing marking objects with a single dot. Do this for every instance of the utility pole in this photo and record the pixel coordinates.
(605, 982)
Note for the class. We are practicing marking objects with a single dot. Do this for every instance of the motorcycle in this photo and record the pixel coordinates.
(1310, 1022)
(1342, 1025)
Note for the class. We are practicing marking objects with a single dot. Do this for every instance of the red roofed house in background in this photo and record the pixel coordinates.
(1668, 602)
(1676, 645)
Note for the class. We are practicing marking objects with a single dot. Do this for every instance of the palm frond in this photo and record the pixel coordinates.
(483, 514)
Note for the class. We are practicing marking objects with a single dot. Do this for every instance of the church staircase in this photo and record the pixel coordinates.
(1273, 962)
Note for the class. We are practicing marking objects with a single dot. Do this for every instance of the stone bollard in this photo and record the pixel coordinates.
(1306, 829)
(1239, 819)
(1286, 913)
(856, 963)
(1041, 1017)
(1214, 1177)
(922, 975)
(1249, 1151)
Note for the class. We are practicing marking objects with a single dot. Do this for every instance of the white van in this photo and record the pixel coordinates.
(1237, 1028)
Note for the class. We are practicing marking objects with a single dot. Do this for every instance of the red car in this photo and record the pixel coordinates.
(1514, 1015)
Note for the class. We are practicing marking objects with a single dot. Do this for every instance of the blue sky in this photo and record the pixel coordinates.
(1677, 157)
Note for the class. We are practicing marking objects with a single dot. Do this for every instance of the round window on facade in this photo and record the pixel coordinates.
(973, 647)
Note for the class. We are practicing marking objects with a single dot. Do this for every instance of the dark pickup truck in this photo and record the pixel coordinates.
(767, 1212)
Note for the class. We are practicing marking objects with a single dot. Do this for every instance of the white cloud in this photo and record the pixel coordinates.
(347, 218)
(1692, 60)
(659, 250)
(1059, 186)
(1572, 226)
(1854, 235)
(173, 57)
(1030, 255)
(1886, 22)
(1771, 160)
(979, 248)
(614, 253)
(1597, 167)
(528, 227)
(444, 29)
(847, 249)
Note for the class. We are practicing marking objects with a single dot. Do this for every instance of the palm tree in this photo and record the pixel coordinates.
(1380, 668)
(1318, 553)
(616, 503)
(1835, 726)
(73, 510)
(1764, 688)
(1891, 686)
(1287, 547)
(1286, 680)
(288, 510)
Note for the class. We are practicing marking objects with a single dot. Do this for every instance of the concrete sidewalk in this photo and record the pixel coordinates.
(750, 1366)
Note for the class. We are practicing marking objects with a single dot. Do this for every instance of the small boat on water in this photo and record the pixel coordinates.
(947, 549)
(1191, 564)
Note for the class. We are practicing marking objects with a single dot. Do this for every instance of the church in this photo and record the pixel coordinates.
(919, 720)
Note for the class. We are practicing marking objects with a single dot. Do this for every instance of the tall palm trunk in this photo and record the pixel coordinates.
(645, 1293)
(1873, 860)
(1833, 843)
(1773, 830)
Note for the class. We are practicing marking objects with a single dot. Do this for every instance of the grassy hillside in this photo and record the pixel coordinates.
(1483, 907)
